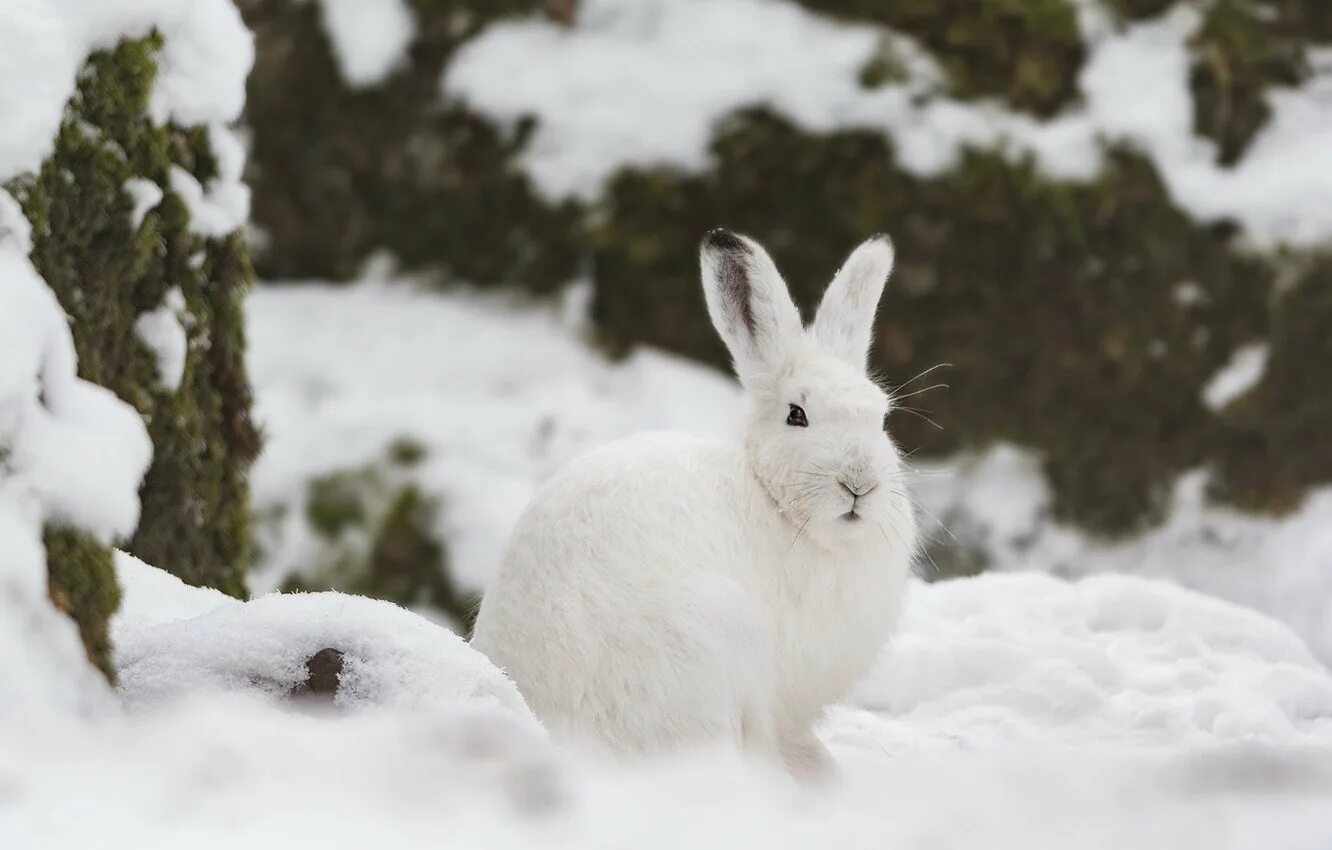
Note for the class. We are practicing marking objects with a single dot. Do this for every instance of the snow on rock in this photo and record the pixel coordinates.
(999, 500)
(146, 195)
(500, 395)
(1240, 374)
(369, 37)
(71, 453)
(643, 82)
(151, 597)
(391, 657)
(162, 331)
(43, 43)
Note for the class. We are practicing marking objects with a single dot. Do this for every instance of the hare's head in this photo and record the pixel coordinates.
(816, 437)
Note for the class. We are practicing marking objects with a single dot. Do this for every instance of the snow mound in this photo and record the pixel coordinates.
(1105, 661)
(391, 657)
(999, 501)
(150, 597)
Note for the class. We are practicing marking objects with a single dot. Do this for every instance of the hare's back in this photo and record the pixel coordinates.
(617, 568)
(650, 502)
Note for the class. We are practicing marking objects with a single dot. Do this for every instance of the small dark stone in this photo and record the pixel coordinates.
(323, 670)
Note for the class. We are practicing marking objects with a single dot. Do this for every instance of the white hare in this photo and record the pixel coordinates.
(665, 590)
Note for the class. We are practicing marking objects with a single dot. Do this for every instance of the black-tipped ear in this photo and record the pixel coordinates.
(748, 302)
(844, 323)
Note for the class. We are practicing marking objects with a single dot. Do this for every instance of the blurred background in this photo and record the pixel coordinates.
(474, 223)
(1112, 228)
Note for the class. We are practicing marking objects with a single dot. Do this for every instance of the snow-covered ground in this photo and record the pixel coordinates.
(1022, 711)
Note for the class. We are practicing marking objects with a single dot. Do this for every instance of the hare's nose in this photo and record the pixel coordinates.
(859, 491)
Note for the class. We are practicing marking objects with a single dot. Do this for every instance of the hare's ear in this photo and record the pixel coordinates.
(845, 320)
(748, 302)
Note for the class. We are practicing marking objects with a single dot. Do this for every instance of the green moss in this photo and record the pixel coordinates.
(381, 540)
(1140, 9)
(340, 173)
(405, 451)
(1055, 301)
(1273, 443)
(105, 272)
(1027, 52)
(1243, 49)
(334, 503)
(884, 67)
(82, 583)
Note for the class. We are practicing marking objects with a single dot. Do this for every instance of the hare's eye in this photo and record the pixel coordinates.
(797, 417)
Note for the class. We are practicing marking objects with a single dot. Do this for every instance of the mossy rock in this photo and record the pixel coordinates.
(1026, 52)
(106, 273)
(340, 172)
(82, 583)
(1061, 305)
(379, 531)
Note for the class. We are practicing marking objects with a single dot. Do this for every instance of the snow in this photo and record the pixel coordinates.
(151, 597)
(70, 454)
(391, 657)
(162, 330)
(201, 78)
(998, 500)
(146, 195)
(499, 393)
(1240, 374)
(1013, 711)
(644, 82)
(369, 37)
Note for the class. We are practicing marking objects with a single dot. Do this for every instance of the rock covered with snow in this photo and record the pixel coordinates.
(71, 454)
(175, 642)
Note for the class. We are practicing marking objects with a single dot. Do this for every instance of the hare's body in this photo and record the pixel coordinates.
(643, 640)
(665, 590)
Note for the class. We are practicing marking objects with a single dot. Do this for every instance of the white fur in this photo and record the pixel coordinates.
(665, 590)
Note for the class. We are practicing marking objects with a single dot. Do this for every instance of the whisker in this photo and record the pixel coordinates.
(892, 399)
(916, 413)
(796, 539)
(920, 375)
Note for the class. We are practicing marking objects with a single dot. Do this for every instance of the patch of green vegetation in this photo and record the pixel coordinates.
(1273, 443)
(381, 539)
(82, 583)
(339, 173)
(1136, 10)
(885, 67)
(1027, 52)
(1244, 49)
(106, 272)
(406, 451)
(1083, 319)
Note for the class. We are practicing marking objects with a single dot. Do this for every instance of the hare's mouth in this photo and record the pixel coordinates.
(851, 515)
